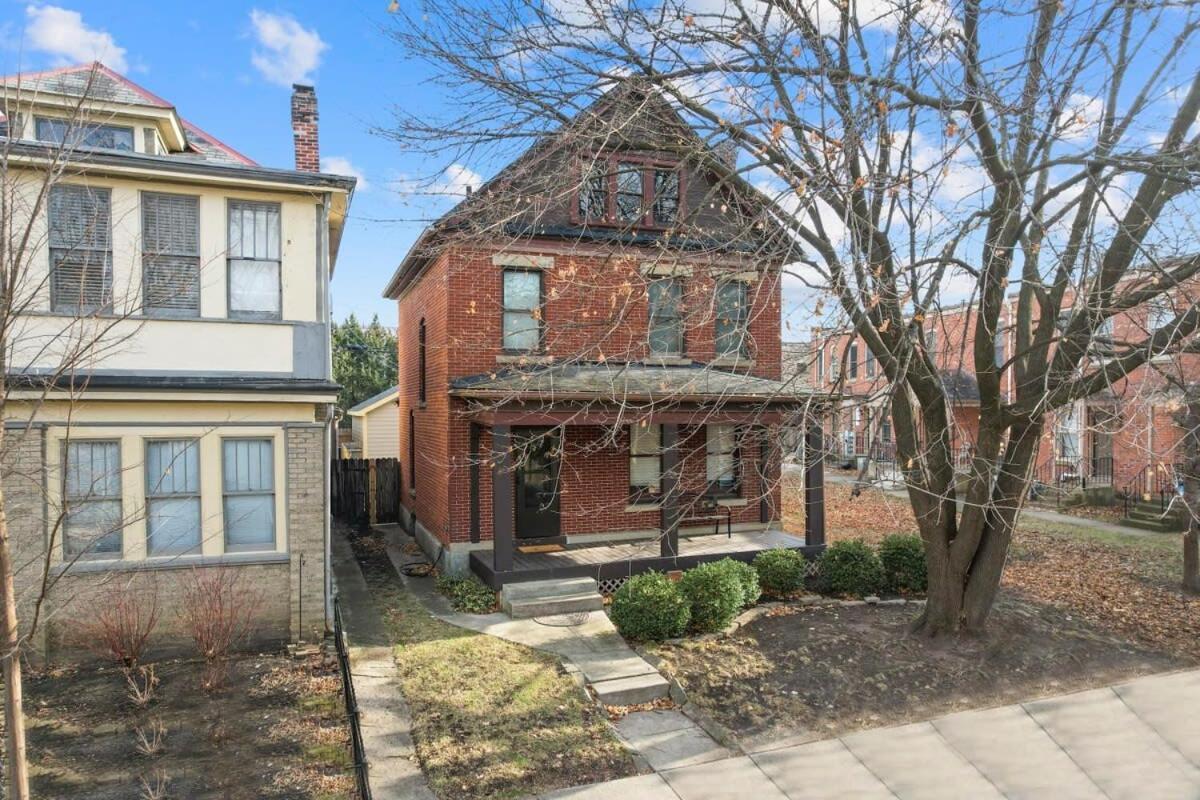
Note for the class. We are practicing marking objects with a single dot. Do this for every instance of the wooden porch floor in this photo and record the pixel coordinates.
(622, 559)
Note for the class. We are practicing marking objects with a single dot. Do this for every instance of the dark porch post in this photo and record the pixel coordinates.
(473, 455)
(814, 486)
(669, 542)
(502, 499)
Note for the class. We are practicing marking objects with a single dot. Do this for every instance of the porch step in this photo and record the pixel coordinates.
(547, 598)
(632, 690)
(1157, 525)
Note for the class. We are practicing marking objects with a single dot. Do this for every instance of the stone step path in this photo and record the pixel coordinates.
(1133, 741)
(551, 598)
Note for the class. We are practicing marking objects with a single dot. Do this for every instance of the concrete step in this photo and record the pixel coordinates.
(632, 690)
(1158, 525)
(551, 606)
(550, 588)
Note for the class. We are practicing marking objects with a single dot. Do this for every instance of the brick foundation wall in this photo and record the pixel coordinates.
(306, 508)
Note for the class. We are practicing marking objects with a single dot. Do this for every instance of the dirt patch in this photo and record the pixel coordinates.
(491, 719)
(277, 731)
(818, 672)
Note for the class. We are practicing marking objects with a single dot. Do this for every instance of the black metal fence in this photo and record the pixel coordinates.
(361, 777)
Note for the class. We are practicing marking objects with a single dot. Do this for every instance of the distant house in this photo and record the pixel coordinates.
(375, 426)
(197, 437)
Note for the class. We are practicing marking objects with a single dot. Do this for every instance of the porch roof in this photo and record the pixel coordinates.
(625, 382)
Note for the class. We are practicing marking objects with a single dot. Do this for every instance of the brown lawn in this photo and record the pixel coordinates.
(1079, 608)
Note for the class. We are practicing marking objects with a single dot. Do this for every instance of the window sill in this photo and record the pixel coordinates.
(530, 358)
(732, 502)
(733, 361)
(668, 361)
(91, 565)
(637, 508)
(421, 404)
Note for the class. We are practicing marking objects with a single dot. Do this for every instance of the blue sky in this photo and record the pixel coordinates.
(228, 67)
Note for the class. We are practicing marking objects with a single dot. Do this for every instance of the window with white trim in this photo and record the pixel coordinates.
(732, 318)
(93, 524)
(870, 363)
(171, 254)
(172, 497)
(721, 459)
(1066, 433)
(852, 360)
(666, 318)
(79, 134)
(254, 260)
(80, 221)
(248, 467)
(645, 462)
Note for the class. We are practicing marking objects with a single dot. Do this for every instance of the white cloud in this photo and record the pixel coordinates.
(288, 52)
(456, 180)
(340, 165)
(1081, 117)
(62, 34)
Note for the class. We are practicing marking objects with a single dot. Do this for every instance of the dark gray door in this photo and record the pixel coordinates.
(538, 452)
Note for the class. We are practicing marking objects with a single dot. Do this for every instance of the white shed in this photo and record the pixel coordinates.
(375, 423)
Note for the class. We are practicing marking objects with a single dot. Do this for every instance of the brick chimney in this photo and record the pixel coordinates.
(304, 128)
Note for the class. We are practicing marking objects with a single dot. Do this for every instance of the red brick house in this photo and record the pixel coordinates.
(1124, 439)
(589, 350)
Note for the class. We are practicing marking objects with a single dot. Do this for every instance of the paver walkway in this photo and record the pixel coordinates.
(392, 766)
(1135, 740)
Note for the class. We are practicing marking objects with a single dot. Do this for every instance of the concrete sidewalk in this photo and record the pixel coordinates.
(1136, 740)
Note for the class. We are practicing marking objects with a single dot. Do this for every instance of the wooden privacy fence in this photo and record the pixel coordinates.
(365, 490)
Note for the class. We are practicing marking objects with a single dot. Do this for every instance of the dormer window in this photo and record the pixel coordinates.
(61, 131)
(629, 190)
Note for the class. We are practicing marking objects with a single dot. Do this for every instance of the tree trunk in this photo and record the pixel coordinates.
(14, 713)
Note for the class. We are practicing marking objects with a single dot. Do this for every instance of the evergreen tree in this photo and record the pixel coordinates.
(364, 360)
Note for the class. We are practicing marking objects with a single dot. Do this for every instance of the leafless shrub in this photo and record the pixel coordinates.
(123, 621)
(142, 684)
(218, 609)
(155, 787)
(151, 738)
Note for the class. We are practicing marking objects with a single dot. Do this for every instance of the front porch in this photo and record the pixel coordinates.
(613, 561)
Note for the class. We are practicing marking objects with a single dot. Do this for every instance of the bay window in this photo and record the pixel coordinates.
(254, 260)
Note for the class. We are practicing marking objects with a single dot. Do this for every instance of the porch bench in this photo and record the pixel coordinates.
(704, 508)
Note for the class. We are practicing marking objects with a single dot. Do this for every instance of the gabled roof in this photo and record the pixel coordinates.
(374, 401)
(632, 117)
(100, 83)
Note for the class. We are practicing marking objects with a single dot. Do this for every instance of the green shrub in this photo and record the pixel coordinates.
(715, 595)
(747, 578)
(903, 559)
(467, 594)
(650, 607)
(780, 572)
(851, 567)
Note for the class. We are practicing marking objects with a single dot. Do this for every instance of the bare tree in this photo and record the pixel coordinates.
(44, 363)
(905, 154)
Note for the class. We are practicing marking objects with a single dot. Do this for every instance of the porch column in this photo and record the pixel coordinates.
(669, 541)
(502, 499)
(473, 454)
(814, 486)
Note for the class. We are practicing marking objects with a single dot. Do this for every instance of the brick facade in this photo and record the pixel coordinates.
(306, 509)
(595, 310)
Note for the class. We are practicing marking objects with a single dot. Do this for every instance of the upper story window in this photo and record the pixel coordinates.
(74, 134)
(870, 363)
(92, 491)
(624, 190)
(666, 317)
(254, 260)
(171, 254)
(421, 361)
(852, 360)
(522, 303)
(80, 221)
(732, 318)
(820, 363)
(1160, 315)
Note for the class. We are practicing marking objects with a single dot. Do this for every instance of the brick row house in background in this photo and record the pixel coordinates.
(1124, 438)
(589, 353)
(195, 433)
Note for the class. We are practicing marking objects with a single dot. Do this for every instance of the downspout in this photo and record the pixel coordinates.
(327, 319)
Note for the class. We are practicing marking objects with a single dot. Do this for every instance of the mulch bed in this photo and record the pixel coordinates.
(278, 730)
(816, 672)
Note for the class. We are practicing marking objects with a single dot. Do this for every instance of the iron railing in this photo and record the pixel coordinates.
(361, 777)
(1152, 479)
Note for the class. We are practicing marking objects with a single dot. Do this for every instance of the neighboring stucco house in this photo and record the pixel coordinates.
(589, 353)
(375, 426)
(195, 433)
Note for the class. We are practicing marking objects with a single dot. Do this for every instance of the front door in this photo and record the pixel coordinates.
(537, 453)
(1101, 423)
